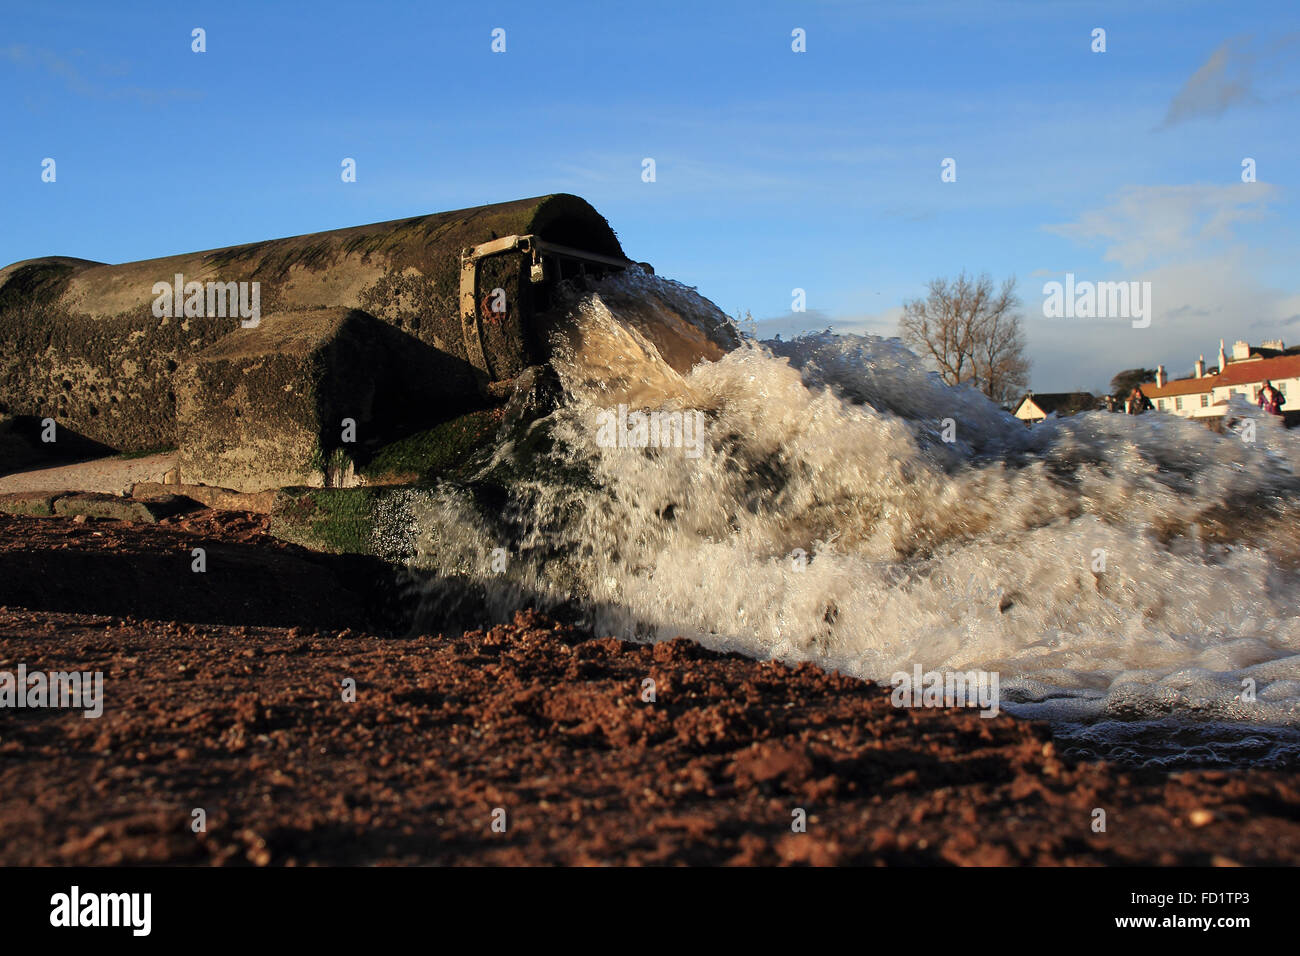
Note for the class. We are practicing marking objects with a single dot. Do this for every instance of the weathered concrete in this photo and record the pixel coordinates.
(114, 476)
(95, 505)
(218, 499)
(266, 407)
(79, 341)
(36, 504)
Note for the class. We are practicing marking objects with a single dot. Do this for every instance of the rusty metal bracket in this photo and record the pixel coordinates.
(469, 322)
(471, 326)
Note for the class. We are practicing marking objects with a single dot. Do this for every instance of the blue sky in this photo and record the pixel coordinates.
(775, 170)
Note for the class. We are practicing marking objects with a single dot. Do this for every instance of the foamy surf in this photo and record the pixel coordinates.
(1119, 573)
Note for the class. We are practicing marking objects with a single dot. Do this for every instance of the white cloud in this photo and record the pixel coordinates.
(1196, 303)
(1149, 224)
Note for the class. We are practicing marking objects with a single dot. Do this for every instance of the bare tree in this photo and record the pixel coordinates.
(972, 333)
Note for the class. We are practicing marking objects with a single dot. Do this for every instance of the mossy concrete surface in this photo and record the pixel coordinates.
(96, 505)
(333, 520)
(436, 452)
(105, 377)
(38, 504)
(342, 520)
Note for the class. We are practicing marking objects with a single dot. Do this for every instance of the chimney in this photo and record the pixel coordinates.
(1223, 359)
(1160, 376)
(1200, 367)
(1240, 350)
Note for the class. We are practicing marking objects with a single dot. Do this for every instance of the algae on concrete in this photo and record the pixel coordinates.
(436, 452)
(35, 504)
(334, 520)
(98, 505)
(342, 520)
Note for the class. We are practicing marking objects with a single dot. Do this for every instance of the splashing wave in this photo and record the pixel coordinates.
(1119, 572)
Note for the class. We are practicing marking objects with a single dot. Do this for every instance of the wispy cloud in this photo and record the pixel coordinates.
(1145, 224)
(1227, 79)
(76, 82)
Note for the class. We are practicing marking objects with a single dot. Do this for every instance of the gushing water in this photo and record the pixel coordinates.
(847, 507)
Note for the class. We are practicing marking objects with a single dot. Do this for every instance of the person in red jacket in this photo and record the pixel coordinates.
(1270, 399)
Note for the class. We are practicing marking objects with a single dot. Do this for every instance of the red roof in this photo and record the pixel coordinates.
(1182, 386)
(1244, 372)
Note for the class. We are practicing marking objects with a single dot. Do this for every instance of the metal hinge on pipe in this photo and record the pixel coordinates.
(471, 326)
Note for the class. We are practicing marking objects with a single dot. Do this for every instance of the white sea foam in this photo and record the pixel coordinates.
(976, 553)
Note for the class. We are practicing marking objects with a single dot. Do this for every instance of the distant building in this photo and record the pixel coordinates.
(1206, 393)
(1034, 407)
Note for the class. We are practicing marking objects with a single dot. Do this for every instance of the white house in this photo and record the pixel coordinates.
(1034, 407)
(1206, 394)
